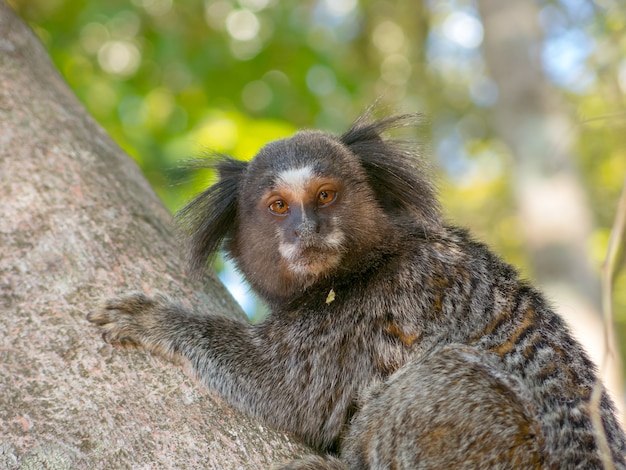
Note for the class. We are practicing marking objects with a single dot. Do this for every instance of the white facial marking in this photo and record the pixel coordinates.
(296, 179)
(328, 257)
(335, 239)
(289, 251)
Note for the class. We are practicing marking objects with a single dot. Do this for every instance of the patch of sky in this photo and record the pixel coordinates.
(567, 45)
(341, 16)
(565, 57)
(464, 169)
(238, 288)
(454, 52)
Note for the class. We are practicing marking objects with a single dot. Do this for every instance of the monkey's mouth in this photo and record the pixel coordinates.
(310, 260)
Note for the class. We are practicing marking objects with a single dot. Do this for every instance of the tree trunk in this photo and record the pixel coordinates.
(555, 214)
(79, 223)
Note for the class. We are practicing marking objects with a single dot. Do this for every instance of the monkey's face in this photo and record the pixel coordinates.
(305, 210)
(299, 208)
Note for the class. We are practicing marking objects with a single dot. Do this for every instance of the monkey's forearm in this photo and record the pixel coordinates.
(213, 345)
(157, 324)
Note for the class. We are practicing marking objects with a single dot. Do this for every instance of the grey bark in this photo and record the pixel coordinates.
(79, 223)
(555, 215)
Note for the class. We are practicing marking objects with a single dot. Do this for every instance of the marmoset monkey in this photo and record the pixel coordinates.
(394, 340)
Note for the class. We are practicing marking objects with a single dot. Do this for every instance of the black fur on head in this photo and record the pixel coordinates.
(395, 171)
(211, 216)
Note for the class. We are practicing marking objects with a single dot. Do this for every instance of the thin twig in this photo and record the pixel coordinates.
(609, 269)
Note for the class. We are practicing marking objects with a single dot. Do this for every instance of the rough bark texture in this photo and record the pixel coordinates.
(78, 223)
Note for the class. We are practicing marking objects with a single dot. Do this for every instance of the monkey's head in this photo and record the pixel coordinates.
(311, 206)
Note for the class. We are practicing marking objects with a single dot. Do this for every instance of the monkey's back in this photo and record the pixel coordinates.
(493, 359)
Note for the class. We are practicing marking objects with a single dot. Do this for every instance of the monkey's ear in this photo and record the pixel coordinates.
(394, 168)
(211, 216)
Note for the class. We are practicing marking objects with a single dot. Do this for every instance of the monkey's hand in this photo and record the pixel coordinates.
(136, 320)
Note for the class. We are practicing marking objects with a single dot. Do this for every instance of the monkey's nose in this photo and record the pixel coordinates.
(306, 229)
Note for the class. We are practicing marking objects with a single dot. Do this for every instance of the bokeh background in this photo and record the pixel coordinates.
(524, 104)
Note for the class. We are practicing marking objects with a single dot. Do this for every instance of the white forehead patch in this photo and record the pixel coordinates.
(296, 179)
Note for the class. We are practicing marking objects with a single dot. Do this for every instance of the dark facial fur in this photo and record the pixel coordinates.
(394, 341)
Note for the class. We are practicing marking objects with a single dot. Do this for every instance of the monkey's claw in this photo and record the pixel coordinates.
(124, 320)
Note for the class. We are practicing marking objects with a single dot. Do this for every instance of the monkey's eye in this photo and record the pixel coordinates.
(325, 197)
(279, 207)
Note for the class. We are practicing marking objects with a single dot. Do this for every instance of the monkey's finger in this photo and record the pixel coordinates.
(100, 317)
(113, 338)
(130, 303)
